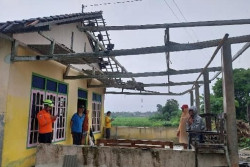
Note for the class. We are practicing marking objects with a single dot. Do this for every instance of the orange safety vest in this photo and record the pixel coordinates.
(44, 121)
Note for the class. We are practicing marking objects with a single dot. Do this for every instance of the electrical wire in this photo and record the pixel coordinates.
(110, 3)
(184, 18)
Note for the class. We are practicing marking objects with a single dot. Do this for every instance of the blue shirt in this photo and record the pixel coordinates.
(77, 123)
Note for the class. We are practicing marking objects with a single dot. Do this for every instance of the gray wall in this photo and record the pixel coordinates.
(49, 155)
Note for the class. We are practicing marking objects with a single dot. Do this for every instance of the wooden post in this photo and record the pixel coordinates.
(14, 47)
(248, 112)
(197, 97)
(72, 41)
(52, 47)
(207, 99)
(191, 98)
(166, 41)
(229, 105)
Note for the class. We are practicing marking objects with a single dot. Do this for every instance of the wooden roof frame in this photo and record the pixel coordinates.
(168, 47)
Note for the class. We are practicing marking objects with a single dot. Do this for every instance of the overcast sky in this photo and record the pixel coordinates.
(150, 12)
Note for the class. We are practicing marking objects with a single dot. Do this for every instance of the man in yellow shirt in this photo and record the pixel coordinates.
(108, 121)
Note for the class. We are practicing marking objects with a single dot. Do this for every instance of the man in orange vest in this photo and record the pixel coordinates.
(45, 120)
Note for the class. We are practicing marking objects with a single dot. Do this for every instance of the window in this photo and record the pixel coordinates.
(96, 114)
(82, 97)
(43, 88)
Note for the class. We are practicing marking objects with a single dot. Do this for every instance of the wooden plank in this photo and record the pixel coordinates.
(145, 74)
(169, 25)
(171, 47)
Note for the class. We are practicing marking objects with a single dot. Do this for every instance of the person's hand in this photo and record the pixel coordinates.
(190, 121)
(178, 133)
(53, 117)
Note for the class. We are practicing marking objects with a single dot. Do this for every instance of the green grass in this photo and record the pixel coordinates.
(137, 122)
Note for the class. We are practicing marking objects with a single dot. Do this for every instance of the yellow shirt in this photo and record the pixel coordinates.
(107, 122)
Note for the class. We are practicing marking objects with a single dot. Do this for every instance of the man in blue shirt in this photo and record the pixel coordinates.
(76, 125)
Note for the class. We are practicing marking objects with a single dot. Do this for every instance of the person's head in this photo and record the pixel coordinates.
(80, 109)
(184, 106)
(108, 113)
(48, 104)
(192, 111)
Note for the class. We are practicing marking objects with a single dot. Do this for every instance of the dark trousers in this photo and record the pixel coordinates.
(45, 138)
(107, 133)
(77, 138)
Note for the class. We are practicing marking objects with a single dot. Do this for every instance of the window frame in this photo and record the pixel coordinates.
(96, 113)
(57, 95)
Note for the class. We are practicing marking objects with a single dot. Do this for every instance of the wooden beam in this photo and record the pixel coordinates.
(191, 98)
(170, 25)
(212, 57)
(146, 85)
(14, 47)
(197, 97)
(229, 105)
(171, 47)
(166, 41)
(52, 47)
(102, 47)
(145, 74)
(135, 93)
(67, 70)
(240, 52)
(207, 107)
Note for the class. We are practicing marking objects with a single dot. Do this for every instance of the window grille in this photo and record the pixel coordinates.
(96, 114)
(39, 93)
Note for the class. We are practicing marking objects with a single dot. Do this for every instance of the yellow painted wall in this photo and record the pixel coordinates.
(5, 46)
(15, 152)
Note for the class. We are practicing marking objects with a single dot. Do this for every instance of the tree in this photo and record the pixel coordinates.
(167, 112)
(170, 107)
(241, 90)
(159, 108)
(216, 104)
